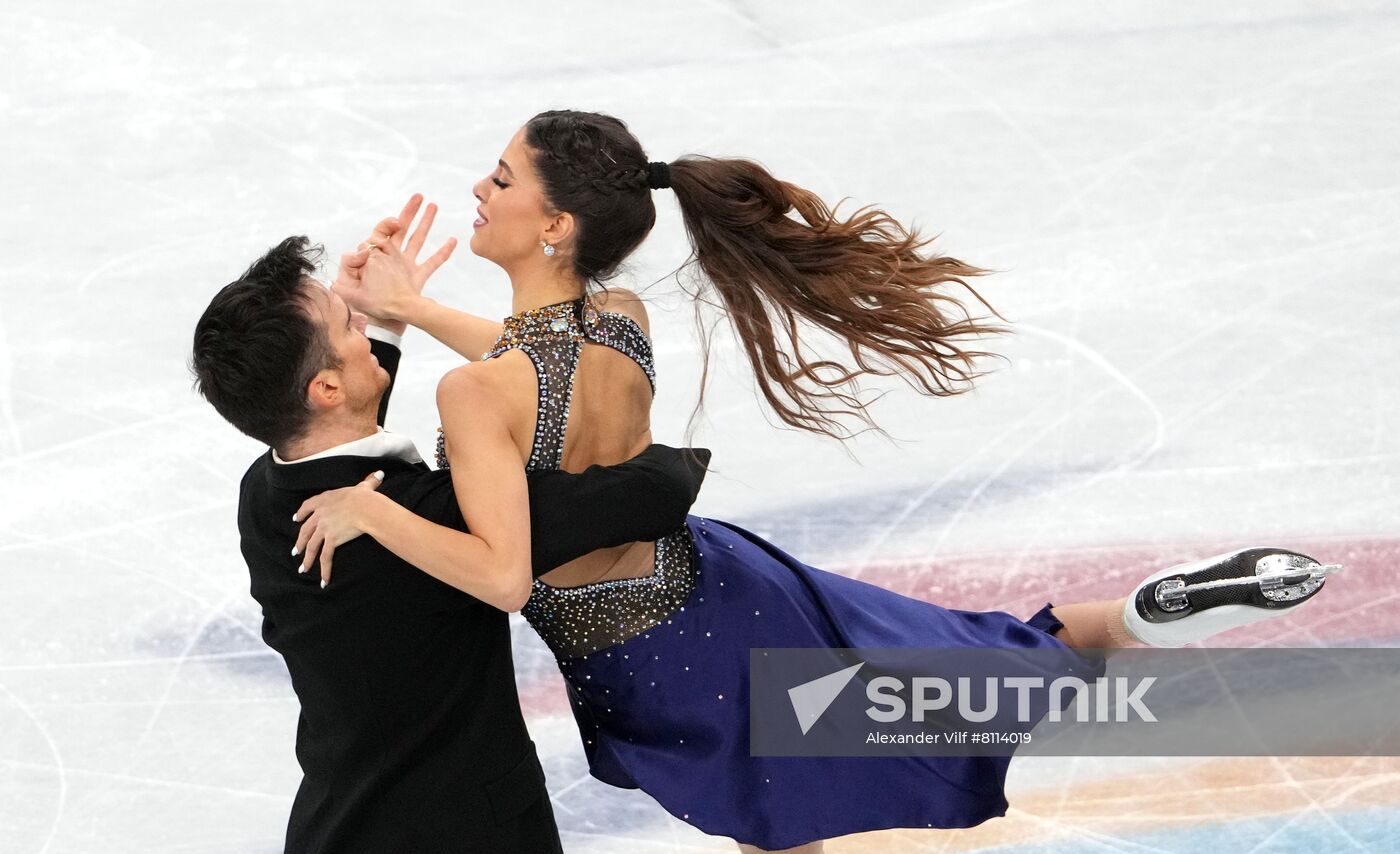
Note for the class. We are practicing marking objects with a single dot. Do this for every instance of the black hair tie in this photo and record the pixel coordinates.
(658, 175)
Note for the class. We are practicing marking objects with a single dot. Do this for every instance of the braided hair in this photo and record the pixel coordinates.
(594, 168)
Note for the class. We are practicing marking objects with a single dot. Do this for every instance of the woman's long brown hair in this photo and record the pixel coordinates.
(865, 279)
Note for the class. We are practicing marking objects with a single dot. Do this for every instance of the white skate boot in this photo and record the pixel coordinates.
(1192, 601)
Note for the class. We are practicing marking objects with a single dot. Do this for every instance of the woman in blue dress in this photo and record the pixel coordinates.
(653, 639)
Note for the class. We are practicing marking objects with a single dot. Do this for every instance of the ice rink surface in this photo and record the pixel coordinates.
(1193, 205)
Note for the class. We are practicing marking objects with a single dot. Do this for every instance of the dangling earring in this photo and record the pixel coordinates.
(548, 250)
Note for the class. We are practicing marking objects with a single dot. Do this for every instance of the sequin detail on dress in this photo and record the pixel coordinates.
(553, 337)
(577, 621)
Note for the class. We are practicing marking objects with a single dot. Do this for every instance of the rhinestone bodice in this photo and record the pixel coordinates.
(576, 621)
(553, 337)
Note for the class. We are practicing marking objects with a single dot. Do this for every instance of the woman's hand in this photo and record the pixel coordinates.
(385, 277)
(333, 518)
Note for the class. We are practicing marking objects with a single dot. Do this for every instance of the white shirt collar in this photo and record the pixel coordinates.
(381, 443)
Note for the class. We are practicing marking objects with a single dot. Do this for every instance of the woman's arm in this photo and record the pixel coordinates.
(470, 335)
(493, 562)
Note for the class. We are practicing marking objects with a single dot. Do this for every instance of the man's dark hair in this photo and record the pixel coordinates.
(257, 346)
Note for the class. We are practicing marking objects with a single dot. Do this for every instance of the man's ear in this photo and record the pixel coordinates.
(559, 230)
(325, 390)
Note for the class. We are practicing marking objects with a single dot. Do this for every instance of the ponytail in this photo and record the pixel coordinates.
(863, 279)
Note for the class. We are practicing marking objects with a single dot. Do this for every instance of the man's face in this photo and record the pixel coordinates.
(360, 378)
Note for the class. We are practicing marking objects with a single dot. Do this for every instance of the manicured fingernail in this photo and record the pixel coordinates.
(296, 550)
(379, 475)
(294, 517)
(302, 569)
(324, 582)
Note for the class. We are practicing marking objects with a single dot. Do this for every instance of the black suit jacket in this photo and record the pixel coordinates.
(411, 737)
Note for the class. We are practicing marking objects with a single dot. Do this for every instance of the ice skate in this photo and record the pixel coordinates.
(1192, 601)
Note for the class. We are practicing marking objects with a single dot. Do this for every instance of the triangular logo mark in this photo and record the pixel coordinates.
(811, 699)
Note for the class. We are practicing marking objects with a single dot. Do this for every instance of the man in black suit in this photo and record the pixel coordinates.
(411, 737)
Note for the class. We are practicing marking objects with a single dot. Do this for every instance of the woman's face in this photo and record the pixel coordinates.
(513, 214)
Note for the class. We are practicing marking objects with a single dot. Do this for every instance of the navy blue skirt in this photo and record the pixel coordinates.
(667, 711)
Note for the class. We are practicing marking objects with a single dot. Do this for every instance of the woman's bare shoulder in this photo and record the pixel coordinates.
(495, 382)
(625, 302)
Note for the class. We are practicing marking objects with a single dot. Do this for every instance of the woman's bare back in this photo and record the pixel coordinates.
(609, 421)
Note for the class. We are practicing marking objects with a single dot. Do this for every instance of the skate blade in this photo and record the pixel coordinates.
(1275, 584)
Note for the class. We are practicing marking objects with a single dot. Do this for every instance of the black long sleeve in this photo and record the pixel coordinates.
(642, 499)
(571, 515)
(388, 356)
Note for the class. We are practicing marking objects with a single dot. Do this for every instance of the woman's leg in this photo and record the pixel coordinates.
(1094, 625)
(809, 848)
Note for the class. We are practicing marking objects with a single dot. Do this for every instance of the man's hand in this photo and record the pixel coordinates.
(389, 280)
